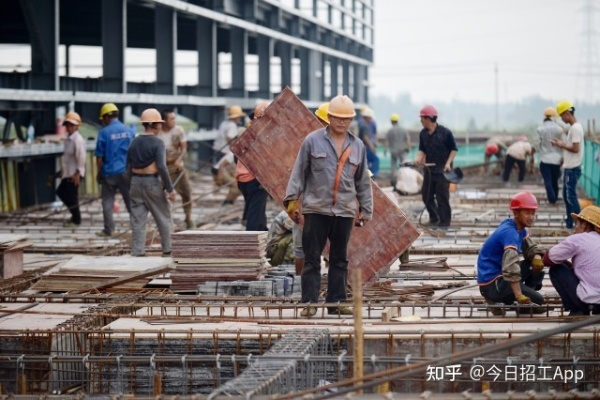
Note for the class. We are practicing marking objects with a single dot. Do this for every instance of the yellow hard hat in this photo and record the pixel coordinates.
(108, 108)
(235, 112)
(72, 118)
(394, 117)
(563, 106)
(341, 107)
(550, 112)
(321, 112)
(151, 115)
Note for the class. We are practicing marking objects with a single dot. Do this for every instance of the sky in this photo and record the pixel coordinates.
(449, 49)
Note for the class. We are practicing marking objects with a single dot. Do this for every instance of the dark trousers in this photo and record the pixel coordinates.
(68, 193)
(509, 163)
(317, 229)
(110, 185)
(255, 209)
(570, 178)
(565, 282)
(436, 196)
(500, 291)
(551, 174)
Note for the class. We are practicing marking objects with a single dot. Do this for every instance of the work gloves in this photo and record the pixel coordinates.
(537, 263)
(293, 210)
(522, 299)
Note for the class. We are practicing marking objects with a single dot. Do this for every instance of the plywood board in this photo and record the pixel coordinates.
(269, 148)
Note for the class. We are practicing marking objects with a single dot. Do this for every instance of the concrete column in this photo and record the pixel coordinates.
(114, 43)
(265, 53)
(311, 75)
(206, 44)
(238, 42)
(346, 78)
(359, 87)
(285, 52)
(333, 64)
(165, 38)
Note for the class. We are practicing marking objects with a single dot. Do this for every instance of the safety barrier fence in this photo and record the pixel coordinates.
(590, 176)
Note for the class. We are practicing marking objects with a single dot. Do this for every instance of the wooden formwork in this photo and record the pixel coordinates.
(269, 148)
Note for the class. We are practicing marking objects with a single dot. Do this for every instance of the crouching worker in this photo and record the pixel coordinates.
(578, 283)
(501, 276)
(280, 246)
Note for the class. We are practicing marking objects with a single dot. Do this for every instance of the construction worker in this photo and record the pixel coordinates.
(518, 153)
(228, 130)
(223, 173)
(149, 180)
(550, 155)
(572, 153)
(496, 147)
(280, 240)
(255, 196)
(367, 132)
(436, 146)
(111, 154)
(321, 113)
(73, 168)
(502, 278)
(173, 137)
(578, 282)
(398, 142)
(330, 174)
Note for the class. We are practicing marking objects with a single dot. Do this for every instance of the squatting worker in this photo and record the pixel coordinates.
(501, 276)
(111, 155)
(173, 137)
(73, 168)
(436, 146)
(330, 174)
(149, 181)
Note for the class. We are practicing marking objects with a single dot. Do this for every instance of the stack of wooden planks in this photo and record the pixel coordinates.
(11, 254)
(205, 256)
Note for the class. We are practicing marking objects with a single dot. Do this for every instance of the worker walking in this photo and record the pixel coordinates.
(73, 168)
(398, 143)
(173, 137)
(330, 174)
(149, 180)
(578, 282)
(436, 146)
(501, 277)
(111, 154)
(572, 152)
(367, 132)
(228, 130)
(517, 153)
(255, 196)
(550, 155)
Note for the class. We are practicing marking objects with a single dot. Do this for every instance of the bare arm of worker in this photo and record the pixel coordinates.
(99, 166)
(420, 158)
(448, 165)
(179, 161)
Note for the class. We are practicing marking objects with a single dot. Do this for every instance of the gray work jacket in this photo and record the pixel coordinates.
(314, 173)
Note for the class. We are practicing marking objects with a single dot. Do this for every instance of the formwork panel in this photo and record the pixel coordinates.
(269, 147)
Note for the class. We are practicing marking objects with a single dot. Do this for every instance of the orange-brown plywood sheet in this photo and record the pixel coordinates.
(268, 149)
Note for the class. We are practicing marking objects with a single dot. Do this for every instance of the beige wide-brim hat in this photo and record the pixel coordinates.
(589, 214)
(235, 112)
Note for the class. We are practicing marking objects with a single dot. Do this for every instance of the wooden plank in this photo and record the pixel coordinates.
(269, 148)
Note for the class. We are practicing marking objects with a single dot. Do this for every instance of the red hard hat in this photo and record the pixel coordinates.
(428, 111)
(491, 149)
(523, 201)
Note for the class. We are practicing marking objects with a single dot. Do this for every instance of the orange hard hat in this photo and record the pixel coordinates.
(491, 149)
(260, 109)
(72, 118)
(523, 201)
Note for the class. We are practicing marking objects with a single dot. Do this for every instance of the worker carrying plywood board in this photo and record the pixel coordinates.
(269, 148)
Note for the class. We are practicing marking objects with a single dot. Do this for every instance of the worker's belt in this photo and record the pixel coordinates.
(144, 175)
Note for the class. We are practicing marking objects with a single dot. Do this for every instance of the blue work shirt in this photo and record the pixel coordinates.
(112, 145)
(489, 262)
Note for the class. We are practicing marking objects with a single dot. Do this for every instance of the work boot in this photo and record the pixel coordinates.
(71, 224)
(499, 311)
(532, 309)
(343, 310)
(103, 233)
(189, 224)
(308, 311)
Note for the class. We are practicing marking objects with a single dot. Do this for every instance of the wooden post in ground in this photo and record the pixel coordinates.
(358, 326)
